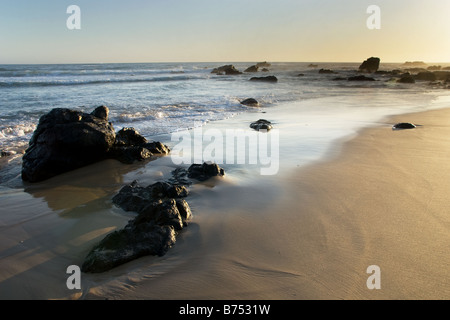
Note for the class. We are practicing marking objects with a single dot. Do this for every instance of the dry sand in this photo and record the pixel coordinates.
(381, 199)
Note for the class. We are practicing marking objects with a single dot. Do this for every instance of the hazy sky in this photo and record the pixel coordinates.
(223, 30)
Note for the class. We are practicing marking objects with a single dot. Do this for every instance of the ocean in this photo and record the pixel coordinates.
(158, 99)
(48, 226)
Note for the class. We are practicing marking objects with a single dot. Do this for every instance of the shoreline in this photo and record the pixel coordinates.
(308, 233)
(315, 238)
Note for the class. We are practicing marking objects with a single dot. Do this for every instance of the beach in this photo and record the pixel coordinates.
(378, 197)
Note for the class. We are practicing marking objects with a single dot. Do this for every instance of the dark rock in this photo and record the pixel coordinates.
(434, 68)
(65, 140)
(446, 68)
(265, 70)
(202, 172)
(156, 147)
(360, 78)
(403, 125)
(135, 198)
(101, 112)
(311, 65)
(263, 64)
(261, 124)
(161, 213)
(339, 79)
(132, 242)
(227, 69)
(370, 65)
(129, 155)
(327, 71)
(301, 75)
(426, 76)
(129, 137)
(265, 79)
(406, 78)
(250, 102)
(251, 69)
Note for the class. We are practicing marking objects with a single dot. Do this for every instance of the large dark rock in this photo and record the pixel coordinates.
(161, 214)
(227, 69)
(65, 140)
(370, 65)
(261, 124)
(132, 242)
(265, 79)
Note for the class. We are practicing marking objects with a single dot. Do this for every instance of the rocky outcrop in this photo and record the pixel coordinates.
(162, 213)
(252, 69)
(250, 102)
(227, 70)
(425, 76)
(66, 139)
(261, 124)
(265, 79)
(370, 65)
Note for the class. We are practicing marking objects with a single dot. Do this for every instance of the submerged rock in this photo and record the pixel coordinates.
(261, 124)
(263, 64)
(265, 79)
(326, 71)
(360, 78)
(370, 65)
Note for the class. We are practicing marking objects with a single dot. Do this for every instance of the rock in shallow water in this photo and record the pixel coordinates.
(261, 124)
(66, 139)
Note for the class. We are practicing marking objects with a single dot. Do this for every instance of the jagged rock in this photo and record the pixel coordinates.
(134, 197)
(370, 65)
(65, 140)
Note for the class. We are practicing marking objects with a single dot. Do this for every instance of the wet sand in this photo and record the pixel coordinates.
(307, 233)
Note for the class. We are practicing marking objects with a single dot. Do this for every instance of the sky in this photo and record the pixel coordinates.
(223, 31)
